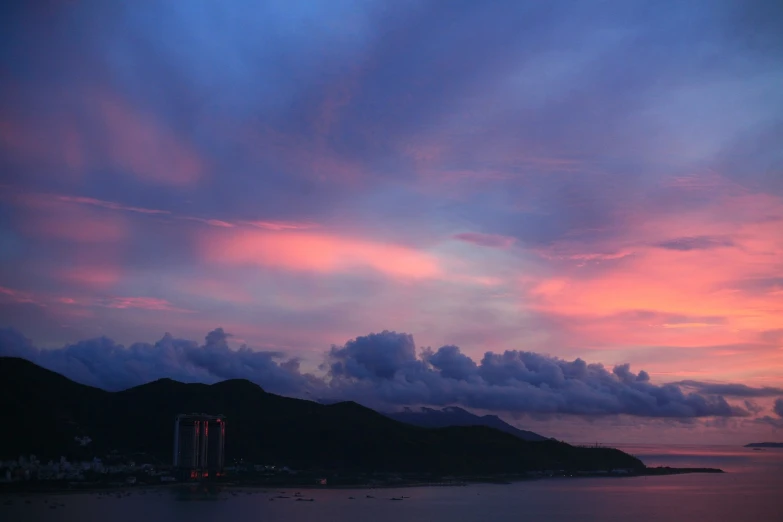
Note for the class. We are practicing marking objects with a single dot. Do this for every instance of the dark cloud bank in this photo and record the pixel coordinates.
(384, 370)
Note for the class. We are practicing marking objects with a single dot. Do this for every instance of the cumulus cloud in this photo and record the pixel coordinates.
(512, 381)
(385, 370)
(103, 363)
(451, 363)
(377, 356)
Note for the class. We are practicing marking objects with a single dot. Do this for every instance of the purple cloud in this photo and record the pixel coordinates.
(383, 370)
(105, 364)
(375, 356)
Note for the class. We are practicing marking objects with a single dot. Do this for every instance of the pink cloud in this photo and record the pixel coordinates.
(43, 200)
(132, 140)
(303, 156)
(481, 160)
(144, 303)
(108, 204)
(142, 145)
(92, 275)
(79, 224)
(687, 283)
(116, 302)
(696, 252)
(59, 207)
(17, 296)
(488, 281)
(322, 253)
(211, 222)
(712, 268)
(51, 143)
(565, 252)
(486, 240)
(281, 225)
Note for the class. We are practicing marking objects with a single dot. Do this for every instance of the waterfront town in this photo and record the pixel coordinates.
(116, 470)
(199, 456)
(29, 473)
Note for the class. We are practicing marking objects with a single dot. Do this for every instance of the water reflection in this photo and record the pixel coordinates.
(198, 492)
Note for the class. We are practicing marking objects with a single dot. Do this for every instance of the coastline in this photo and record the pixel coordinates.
(119, 491)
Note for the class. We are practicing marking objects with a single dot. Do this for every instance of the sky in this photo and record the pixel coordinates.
(566, 213)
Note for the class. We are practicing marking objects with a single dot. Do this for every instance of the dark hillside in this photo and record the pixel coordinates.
(50, 410)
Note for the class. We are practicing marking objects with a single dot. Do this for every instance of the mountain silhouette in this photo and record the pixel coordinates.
(455, 416)
(46, 411)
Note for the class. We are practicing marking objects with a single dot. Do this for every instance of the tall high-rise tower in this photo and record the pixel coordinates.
(199, 445)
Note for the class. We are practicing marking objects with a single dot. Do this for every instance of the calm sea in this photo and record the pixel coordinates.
(751, 491)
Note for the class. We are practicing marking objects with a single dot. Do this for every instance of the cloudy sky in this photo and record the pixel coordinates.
(409, 202)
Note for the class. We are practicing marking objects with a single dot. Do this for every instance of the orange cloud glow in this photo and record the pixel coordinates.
(317, 253)
(704, 278)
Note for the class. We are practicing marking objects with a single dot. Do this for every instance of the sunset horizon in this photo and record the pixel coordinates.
(567, 215)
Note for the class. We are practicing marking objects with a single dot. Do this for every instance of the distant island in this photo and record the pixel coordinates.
(764, 445)
(350, 444)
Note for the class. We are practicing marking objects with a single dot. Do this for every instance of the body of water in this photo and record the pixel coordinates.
(752, 490)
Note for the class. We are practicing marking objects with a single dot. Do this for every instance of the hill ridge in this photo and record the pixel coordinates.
(427, 417)
(263, 428)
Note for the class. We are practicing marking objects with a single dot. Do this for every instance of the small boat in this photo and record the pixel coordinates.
(370, 496)
(300, 499)
(396, 498)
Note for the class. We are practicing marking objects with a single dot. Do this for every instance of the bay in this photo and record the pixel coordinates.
(752, 489)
